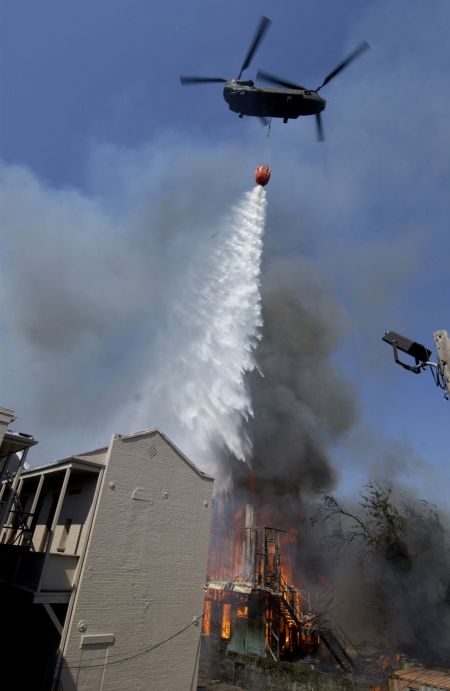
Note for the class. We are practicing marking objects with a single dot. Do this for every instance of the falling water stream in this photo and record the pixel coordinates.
(198, 395)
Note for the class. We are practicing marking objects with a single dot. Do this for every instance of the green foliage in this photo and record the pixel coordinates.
(386, 525)
(378, 525)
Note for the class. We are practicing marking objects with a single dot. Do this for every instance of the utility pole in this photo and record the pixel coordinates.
(442, 343)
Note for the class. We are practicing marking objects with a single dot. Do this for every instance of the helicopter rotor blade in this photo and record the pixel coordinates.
(267, 77)
(263, 25)
(319, 128)
(202, 80)
(355, 54)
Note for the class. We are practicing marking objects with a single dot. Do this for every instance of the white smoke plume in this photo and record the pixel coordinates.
(134, 303)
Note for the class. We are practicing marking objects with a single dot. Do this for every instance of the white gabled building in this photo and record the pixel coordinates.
(102, 574)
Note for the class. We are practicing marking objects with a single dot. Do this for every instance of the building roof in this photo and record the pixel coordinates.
(156, 430)
(13, 442)
(434, 678)
(82, 459)
(7, 414)
(74, 461)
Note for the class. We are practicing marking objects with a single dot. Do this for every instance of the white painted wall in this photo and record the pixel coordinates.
(144, 572)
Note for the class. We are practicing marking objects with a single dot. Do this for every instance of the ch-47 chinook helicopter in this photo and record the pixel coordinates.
(288, 102)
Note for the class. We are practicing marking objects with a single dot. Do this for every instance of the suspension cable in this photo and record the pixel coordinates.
(267, 150)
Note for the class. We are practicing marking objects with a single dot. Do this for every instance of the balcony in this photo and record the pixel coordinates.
(49, 577)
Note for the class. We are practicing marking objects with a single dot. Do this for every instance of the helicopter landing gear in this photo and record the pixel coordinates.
(285, 120)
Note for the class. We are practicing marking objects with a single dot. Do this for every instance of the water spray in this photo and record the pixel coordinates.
(197, 391)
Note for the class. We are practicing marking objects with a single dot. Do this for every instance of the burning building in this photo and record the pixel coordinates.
(252, 606)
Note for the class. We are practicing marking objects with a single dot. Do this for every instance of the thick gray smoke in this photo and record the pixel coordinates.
(301, 404)
(91, 282)
(390, 596)
(389, 559)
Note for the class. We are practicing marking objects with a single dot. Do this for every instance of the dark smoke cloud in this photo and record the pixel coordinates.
(300, 402)
(396, 599)
(302, 408)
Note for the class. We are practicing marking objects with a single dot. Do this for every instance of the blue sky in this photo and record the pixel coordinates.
(96, 132)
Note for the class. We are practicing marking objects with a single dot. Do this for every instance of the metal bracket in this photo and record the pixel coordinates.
(440, 370)
(417, 368)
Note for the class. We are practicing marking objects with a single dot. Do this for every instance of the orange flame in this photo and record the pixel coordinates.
(242, 611)
(225, 631)
(206, 617)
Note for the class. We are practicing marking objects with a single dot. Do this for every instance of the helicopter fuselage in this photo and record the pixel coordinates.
(246, 99)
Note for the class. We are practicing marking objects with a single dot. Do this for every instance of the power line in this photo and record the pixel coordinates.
(108, 663)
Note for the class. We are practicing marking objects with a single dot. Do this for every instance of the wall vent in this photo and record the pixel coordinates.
(151, 451)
